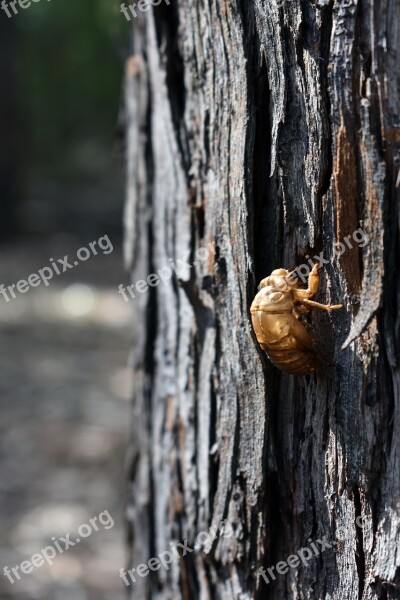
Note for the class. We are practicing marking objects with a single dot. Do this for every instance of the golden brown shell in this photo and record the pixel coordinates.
(279, 332)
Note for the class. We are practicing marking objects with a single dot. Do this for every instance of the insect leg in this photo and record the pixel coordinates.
(313, 283)
(327, 307)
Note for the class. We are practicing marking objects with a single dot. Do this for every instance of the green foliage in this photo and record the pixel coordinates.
(70, 71)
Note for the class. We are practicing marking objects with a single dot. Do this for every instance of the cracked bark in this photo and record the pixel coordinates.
(275, 126)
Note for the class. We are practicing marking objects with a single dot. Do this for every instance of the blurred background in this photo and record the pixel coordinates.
(65, 381)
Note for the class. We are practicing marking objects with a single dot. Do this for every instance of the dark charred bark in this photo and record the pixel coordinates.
(275, 126)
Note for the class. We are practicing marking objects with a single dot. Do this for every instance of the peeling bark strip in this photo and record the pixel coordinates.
(277, 125)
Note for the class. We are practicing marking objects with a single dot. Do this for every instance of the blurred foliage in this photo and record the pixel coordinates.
(70, 69)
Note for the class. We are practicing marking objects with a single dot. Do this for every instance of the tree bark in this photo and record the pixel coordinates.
(274, 125)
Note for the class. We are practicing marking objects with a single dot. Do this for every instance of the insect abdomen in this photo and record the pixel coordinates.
(293, 361)
(285, 340)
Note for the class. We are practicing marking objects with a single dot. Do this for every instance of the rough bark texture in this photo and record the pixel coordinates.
(275, 125)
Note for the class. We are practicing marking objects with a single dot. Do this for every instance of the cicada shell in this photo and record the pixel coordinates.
(276, 314)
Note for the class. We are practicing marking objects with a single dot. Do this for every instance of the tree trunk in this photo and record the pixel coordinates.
(266, 133)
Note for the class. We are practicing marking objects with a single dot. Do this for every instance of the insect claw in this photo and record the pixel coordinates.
(316, 268)
(335, 306)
